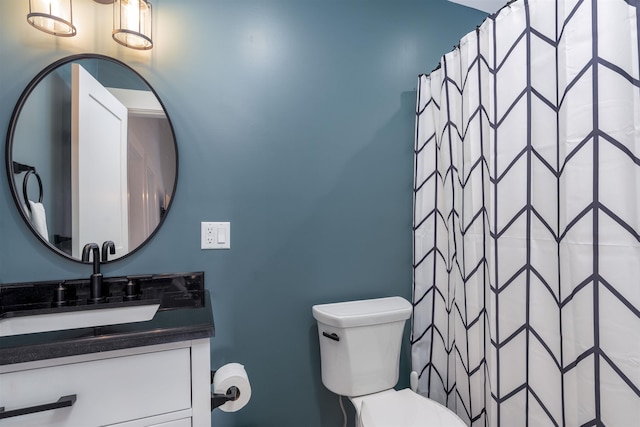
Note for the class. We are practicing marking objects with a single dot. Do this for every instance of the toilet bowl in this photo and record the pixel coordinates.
(360, 357)
(402, 408)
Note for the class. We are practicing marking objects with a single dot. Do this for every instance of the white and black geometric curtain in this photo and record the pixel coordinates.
(526, 219)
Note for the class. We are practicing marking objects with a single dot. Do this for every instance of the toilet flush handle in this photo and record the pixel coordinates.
(331, 336)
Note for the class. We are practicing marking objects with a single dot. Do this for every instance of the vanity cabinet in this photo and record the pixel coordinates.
(165, 385)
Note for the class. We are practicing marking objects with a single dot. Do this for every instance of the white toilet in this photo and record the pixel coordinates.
(359, 357)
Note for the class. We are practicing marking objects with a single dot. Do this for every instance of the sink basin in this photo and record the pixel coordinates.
(18, 323)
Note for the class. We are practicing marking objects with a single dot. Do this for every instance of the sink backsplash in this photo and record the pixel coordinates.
(172, 291)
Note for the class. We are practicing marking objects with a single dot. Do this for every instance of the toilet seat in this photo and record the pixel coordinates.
(405, 408)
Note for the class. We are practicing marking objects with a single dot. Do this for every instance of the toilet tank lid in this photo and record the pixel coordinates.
(363, 312)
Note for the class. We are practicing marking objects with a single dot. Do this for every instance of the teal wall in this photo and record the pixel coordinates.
(295, 122)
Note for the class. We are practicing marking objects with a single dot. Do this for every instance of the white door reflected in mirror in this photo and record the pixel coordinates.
(99, 201)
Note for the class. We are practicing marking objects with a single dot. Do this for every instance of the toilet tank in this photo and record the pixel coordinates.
(360, 344)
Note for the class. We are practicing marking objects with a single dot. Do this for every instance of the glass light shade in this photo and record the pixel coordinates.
(52, 16)
(132, 23)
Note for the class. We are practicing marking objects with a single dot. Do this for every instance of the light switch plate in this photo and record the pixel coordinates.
(215, 235)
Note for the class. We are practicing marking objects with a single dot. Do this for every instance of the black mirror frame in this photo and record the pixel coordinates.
(9, 148)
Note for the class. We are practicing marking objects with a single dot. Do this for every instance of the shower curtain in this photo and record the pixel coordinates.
(526, 286)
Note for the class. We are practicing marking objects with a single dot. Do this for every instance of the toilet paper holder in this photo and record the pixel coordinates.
(219, 399)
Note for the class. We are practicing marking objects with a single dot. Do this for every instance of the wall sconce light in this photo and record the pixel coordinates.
(131, 20)
(52, 16)
(132, 23)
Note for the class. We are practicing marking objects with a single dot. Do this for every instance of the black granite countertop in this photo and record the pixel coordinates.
(167, 326)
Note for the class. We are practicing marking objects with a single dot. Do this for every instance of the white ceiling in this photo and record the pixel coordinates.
(489, 6)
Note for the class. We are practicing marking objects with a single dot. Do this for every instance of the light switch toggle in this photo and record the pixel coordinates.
(215, 235)
(222, 236)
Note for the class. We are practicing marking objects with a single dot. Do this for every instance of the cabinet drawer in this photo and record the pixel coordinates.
(108, 391)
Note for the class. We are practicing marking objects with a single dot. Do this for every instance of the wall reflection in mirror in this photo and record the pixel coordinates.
(91, 156)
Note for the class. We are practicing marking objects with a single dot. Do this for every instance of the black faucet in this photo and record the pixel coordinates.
(96, 277)
(108, 247)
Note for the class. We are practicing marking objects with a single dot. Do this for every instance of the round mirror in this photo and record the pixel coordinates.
(91, 156)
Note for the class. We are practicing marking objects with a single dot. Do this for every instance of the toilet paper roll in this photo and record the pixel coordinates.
(232, 375)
